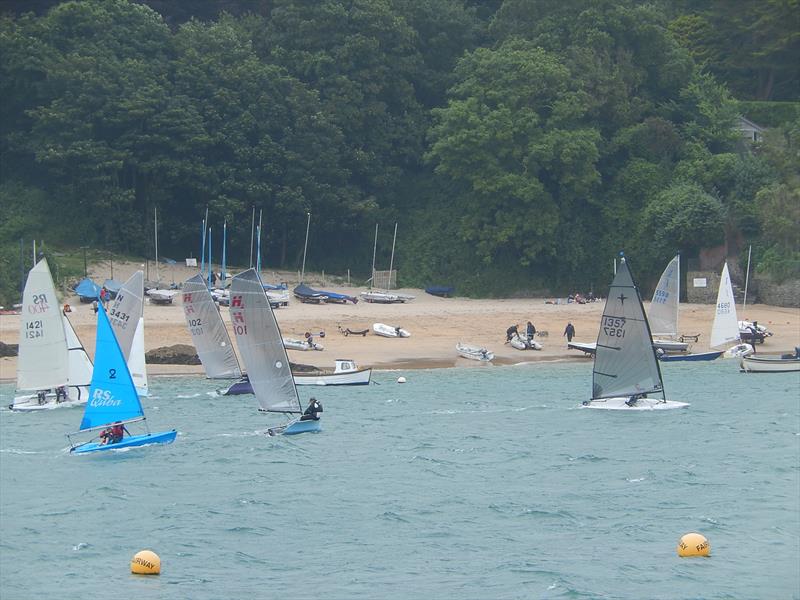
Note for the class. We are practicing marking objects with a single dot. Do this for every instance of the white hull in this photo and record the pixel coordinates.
(30, 403)
(385, 297)
(293, 344)
(520, 343)
(587, 347)
(641, 404)
(360, 377)
(671, 345)
(474, 353)
(389, 331)
(752, 364)
(738, 351)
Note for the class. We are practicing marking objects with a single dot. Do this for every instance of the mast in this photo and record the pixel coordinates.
(203, 247)
(305, 247)
(224, 243)
(252, 233)
(155, 230)
(258, 242)
(678, 291)
(747, 279)
(391, 261)
(374, 250)
(209, 257)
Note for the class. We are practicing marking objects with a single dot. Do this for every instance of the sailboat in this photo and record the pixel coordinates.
(626, 373)
(208, 331)
(725, 329)
(126, 316)
(663, 313)
(259, 339)
(113, 398)
(50, 354)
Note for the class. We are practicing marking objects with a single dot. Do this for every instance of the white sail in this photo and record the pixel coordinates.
(136, 362)
(261, 345)
(43, 361)
(208, 331)
(624, 363)
(126, 310)
(80, 365)
(726, 326)
(663, 313)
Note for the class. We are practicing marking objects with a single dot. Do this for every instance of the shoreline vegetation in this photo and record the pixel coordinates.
(436, 325)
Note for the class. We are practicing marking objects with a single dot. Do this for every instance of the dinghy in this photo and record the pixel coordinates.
(386, 297)
(209, 335)
(346, 372)
(113, 400)
(588, 348)
(305, 293)
(522, 343)
(261, 346)
(161, 296)
(626, 372)
(663, 313)
(87, 290)
(302, 345)
(50, 354)
(474, 352)
(725, 328)
(389, 331)
(126, 315)
(771, 364)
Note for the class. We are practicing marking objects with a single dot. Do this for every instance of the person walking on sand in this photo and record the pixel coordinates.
(569, 332)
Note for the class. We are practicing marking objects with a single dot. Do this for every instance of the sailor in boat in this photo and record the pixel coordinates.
(633, 399)
(312, 411)
(61, 394)
(41, 396)
(113, 434)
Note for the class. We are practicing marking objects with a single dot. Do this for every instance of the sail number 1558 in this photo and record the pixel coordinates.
(614, 327)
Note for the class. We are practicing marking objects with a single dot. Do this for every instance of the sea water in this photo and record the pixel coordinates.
(486, 482)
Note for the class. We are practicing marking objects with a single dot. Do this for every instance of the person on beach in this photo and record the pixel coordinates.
(511, 332)
(312, 411)
(569, 332)
(94, 306)
(309, 339)
(530, 331)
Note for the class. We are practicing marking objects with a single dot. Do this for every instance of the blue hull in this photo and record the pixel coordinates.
(163, 437)
(298, 426)
(240, 387)
(690, 357)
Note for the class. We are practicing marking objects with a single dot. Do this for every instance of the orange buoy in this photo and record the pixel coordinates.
(693, 544)
(146, 562)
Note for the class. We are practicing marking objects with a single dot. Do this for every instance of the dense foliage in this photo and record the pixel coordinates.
(520, 144)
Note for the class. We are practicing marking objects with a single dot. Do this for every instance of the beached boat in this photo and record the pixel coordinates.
(389, 331)
(87, 290)
(161, 296)
(663, 313)
(386, 297)
(51, 357)
(724, 330)
(443, 291)
(771, 364)
(305, 293)
(519, 342)
(626, 373)
(126, 315)
(588, 348)
(209, 334)
(113, 399)
(301, 345)
(474, 352)
(261, 346)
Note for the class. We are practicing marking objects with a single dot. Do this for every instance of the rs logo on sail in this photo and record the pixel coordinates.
(104, 398)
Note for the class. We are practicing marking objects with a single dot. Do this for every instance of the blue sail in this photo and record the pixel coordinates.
(112, 396)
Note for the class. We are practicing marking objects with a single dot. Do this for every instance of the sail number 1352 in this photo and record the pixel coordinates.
(614, 327)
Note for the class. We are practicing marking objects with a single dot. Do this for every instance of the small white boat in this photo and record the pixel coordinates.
(670, 345)
(386, 297)
(474, 352)
(345, 373)
(522, 343)
(626, 373)
(161, 296)
(588, 348)
(389, 331)
(771, 364)
(302, 345)
(738, 351)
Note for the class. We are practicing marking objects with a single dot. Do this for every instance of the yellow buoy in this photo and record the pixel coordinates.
(693, 544)
(146, 562)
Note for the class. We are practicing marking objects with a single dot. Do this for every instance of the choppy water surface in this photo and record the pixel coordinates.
(462, 483)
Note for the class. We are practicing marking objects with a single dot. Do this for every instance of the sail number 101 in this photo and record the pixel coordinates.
(614, 326)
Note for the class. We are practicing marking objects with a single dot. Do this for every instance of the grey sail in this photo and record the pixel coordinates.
(126, 310)
(261, 345)
(625, 362)
(209, 335)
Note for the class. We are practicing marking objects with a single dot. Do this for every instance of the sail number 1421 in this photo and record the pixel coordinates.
(614, 326)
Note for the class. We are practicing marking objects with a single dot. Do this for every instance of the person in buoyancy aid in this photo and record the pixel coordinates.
(312, 411)
(61, 394)
(113, 434)
(635, 398)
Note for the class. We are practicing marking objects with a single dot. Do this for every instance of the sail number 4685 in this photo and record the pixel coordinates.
(614, 326)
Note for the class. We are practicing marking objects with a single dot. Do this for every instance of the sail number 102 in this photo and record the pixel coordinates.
(614, 327)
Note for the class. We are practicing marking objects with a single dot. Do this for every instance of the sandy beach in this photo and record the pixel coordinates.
(436, 325)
